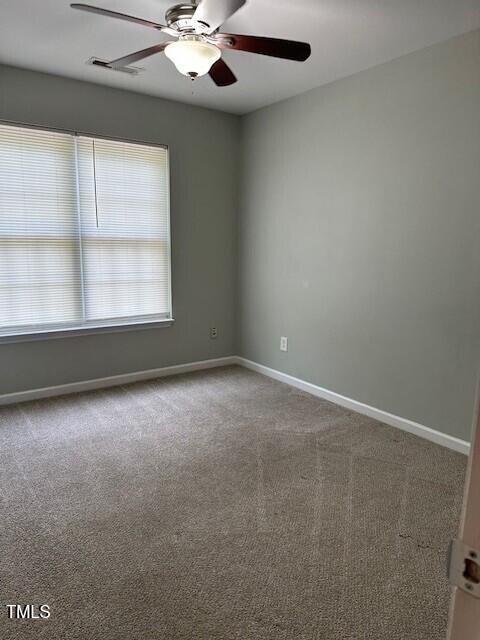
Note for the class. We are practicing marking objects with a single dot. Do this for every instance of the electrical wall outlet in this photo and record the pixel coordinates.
(283, 343)
(213, 333)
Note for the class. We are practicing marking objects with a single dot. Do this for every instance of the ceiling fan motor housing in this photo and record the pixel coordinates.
(180, 17)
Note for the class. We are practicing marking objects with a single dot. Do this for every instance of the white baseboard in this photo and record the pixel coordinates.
(113, 381)
(377, 414)
(126, 378)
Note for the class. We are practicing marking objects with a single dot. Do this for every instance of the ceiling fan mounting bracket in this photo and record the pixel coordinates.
(227, 41)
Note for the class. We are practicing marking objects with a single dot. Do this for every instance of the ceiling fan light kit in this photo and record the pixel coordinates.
(199, 45)
(192, 56)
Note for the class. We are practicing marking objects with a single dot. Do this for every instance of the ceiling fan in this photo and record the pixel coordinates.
(198, 47)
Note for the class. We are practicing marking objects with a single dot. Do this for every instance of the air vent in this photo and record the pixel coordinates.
(133, 71)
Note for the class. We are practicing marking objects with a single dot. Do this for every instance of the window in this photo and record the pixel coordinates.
(84, 232)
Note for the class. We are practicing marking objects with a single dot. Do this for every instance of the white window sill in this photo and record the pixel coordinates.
(85, 331)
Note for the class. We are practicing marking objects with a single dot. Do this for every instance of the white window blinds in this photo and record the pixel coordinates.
(84, 232)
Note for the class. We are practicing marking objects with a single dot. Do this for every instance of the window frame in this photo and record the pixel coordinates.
(110, 325)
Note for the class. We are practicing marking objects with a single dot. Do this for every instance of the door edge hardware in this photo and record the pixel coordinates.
(464, 567)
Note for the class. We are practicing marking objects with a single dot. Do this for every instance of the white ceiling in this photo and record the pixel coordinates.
(347, 36)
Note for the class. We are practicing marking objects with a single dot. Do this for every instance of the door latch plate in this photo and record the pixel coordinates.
(464, 568)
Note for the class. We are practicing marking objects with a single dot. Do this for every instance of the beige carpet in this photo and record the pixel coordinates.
(221, 505)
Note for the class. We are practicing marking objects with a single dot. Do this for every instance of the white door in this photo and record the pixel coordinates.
(464, 623)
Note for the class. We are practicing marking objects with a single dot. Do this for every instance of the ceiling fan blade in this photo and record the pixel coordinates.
(213, 13)
(221, 74)
(286, 49)
(115, 14)
(138, 55)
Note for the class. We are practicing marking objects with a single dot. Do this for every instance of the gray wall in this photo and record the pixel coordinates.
(359, 235)
(203, 160)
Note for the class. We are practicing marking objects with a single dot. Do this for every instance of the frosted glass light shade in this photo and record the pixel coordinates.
(192, 57)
